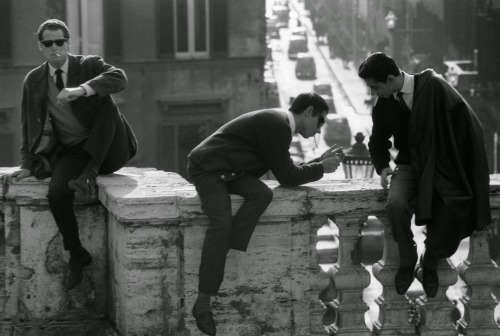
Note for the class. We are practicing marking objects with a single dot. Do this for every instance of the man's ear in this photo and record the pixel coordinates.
(390, 79)
(309, 111)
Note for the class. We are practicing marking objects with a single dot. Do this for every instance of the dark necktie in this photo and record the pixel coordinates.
(402, 103)
(59, 80)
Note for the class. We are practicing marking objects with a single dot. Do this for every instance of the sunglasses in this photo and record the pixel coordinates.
(49, 43)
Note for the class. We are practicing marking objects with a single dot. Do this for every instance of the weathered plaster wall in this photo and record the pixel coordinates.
(35, 263)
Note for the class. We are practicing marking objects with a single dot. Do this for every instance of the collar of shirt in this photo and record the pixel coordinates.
(291, 120)
(407, 89)
(64, 68)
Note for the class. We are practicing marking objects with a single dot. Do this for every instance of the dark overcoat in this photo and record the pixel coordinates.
(447, 149)
(103, 78)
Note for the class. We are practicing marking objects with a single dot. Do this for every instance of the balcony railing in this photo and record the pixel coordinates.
(145, 231)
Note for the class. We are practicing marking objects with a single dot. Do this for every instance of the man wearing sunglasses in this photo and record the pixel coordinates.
(231, 161)
(72, 131)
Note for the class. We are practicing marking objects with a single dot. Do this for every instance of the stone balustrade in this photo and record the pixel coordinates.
(145, 229)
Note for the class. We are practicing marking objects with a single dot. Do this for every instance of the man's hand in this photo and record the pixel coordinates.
(333, 151)
(70, 94)
(17, 175)
(330, 164)
(384, 177)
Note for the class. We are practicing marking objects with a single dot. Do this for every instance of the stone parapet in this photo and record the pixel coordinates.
(145, 230)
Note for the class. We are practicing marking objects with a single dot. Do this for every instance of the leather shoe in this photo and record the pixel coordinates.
(204, 321)
(404, 278)
(428, 278)
(76, 266)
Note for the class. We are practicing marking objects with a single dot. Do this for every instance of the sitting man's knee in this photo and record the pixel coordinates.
(395, 205)
(58, 191)
(268, 194)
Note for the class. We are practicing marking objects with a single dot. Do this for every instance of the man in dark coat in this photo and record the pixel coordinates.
(230, 161)
(72, 131)
(441, 172)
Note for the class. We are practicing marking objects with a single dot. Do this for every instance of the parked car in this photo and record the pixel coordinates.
(297, 45)
(324, 89)
(337, 131)
(283, 14)
(331, 105)
(273, 29)
(305, 67)
(299, 31)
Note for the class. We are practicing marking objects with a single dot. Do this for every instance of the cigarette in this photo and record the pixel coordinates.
(58, 55)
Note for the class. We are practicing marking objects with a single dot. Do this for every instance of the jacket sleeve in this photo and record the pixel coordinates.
(379, 143)
(108, 79)
(275, 148)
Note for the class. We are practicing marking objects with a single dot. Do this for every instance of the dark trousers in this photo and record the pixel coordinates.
(224, 231)
(110, 150)
(400, 209)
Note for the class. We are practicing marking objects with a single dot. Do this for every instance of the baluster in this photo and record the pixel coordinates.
(318, 280)
(481, 274)
(393, 313)
(350, 279)
(438, 309)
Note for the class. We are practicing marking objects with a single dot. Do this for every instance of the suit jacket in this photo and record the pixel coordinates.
(389, 120)
(254, 143)
(100, 76)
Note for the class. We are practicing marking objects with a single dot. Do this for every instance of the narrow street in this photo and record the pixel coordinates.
(347, 88)
(349, 96)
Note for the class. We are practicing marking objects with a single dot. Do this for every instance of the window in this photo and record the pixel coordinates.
(5, 30)
(192, 28)
(7, 145)
(184, 125)
(112, 29)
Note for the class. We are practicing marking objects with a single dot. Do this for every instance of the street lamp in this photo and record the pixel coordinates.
(390, 20)
(357, 161)
(390, 23)
(452, 76)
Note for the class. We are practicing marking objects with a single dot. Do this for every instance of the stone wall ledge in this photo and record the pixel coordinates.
(145, 230)
(147, 194)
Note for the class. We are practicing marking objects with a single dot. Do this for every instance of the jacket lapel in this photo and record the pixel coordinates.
(39, 86)
(74, 73)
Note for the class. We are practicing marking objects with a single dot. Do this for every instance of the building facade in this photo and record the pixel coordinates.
(192, 65)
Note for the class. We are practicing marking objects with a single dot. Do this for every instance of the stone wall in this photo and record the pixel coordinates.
(145, 231)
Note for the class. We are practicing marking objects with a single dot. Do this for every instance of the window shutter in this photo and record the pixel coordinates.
(165, 28)
(5, 30)
(219, 28)
(112, 29)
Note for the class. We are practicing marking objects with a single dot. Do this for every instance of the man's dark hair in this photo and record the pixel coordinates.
(304, 100)
(378, 66)
(53, 24)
